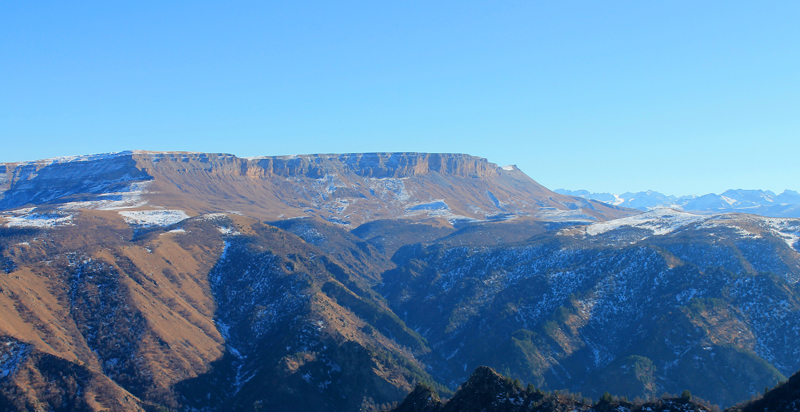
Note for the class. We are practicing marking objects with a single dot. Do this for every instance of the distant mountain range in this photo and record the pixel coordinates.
(758, 202)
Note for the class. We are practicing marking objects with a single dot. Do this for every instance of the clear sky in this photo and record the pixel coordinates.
(681, 97)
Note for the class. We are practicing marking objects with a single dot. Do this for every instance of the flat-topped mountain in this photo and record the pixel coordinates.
(347, 189)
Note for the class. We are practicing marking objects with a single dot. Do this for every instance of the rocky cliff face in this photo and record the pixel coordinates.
(379, 165)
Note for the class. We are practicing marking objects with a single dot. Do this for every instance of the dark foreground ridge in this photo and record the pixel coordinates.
(488, 391)
(784, 397)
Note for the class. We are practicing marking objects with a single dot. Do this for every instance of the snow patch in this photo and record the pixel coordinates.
(438, 208)
(389, 188)
(12, 354)
(228, 231)
(149, 218)
(786, 229)
(18, 212)
(223, 256)
(40, 220)
(435, 205)
(79, 158)
(552, 214)
(127, 199)
(214, 216)
(659, 221)
(331, 182)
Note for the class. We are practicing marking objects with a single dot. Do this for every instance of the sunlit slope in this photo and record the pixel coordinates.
(347, 189)
(161, 316)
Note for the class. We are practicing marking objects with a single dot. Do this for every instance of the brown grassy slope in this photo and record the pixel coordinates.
(309, 332)
(137, 310)
(44, 382)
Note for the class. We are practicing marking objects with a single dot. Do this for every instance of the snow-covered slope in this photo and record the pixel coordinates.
(663, 221)
(760, 202)
(659, 221)
(29, 218)
(157, 217)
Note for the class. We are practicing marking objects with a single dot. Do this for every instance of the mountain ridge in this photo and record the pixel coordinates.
(759, 202)
(347, 189)
(488, 391)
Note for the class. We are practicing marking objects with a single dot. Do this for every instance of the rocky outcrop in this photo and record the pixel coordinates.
(422, 399)
(378, 165)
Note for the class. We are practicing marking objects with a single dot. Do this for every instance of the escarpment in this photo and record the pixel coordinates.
(345, 189)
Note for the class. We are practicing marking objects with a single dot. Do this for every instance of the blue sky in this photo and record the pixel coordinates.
(679, 97)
